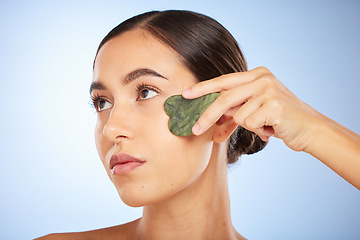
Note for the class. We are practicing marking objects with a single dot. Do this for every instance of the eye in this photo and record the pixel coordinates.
(146, 92)
(101, 104)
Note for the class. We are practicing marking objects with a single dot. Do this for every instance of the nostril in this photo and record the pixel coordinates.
(121, 137)
(114, 133)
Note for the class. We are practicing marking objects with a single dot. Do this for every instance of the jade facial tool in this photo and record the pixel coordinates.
(184, 113)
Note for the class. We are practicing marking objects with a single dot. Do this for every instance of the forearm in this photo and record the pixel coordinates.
(338, 148)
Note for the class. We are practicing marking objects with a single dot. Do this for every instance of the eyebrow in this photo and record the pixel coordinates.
(129, 78)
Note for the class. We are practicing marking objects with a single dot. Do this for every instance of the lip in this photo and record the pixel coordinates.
(123, 163)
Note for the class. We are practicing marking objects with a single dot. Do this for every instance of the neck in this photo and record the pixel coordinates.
(201, 211)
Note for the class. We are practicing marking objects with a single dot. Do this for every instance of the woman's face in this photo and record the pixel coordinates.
(133, 76)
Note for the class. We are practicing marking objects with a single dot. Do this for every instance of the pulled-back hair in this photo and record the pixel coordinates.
(207, 49)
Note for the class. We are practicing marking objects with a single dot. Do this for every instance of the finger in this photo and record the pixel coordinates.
(247, 109)
(228, 100)
(218, 84)
(265, 133)
(261, 122)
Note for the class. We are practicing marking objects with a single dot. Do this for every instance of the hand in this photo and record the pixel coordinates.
(259, 102)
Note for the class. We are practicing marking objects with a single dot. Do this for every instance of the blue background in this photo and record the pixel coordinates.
(51, 179)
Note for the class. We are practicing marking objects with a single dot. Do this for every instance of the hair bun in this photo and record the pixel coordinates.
(243, 141)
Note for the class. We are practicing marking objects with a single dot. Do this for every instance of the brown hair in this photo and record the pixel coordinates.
(208, 50)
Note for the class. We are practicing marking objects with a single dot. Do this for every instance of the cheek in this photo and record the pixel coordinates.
(102, 145)
(185, 158)
(175, 161)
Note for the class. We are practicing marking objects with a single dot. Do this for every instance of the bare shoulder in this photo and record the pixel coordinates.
(124, 231)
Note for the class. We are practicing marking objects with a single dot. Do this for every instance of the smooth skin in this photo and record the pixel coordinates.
(185, 193)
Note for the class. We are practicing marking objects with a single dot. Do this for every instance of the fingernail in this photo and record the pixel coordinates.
(186, 92)
(196, 129)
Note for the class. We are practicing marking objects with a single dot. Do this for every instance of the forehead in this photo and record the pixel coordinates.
(135, 48)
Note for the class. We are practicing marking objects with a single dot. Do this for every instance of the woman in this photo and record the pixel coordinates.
(182, 181)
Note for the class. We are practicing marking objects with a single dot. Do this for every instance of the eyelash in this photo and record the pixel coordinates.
(143, 86)
(94, 100)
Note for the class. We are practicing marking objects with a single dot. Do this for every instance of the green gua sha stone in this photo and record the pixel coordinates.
(184, 113)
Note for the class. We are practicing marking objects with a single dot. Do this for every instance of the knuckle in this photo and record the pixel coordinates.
(224, 98)
(276, 106)
(267, 80)
(275, 103)
(205, 120)
(221, 83)
(262, 69)
(265, 75)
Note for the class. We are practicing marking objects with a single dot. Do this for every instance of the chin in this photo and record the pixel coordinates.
(132, 203)
(135, 201)
(135, 197)
(140, 197)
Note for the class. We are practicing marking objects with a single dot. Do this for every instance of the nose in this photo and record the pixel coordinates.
(120, 124)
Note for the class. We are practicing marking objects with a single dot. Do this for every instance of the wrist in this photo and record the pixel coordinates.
(320, 131)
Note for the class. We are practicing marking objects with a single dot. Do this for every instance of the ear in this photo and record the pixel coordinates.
(224, 127)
